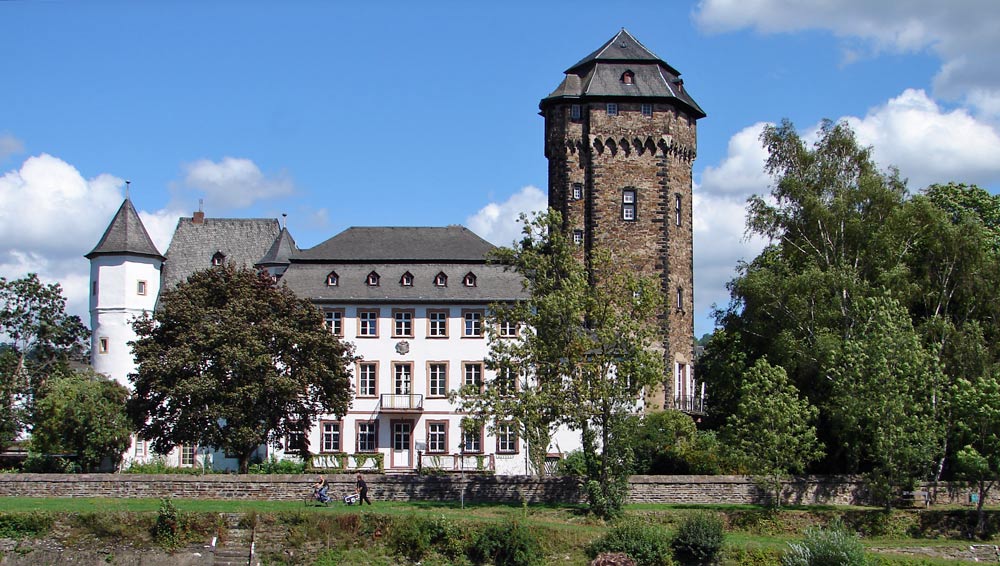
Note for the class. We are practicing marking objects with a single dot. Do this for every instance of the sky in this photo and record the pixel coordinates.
(426, 113)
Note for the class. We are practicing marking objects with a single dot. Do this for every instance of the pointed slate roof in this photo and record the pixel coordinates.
(599, 75)
(242, 241)
(126, 235)
(281, 250)
(393, 244)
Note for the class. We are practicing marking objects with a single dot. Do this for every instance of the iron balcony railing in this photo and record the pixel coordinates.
(690, 404)
(405, 402)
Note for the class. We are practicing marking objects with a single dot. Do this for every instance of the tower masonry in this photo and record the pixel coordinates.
(620, 139)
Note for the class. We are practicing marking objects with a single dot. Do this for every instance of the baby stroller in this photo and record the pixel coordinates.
(351, 498)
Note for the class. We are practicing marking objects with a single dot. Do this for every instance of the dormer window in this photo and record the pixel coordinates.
(628, 78)
(373, 279)
(406, 280)
(219, 258)
(441, 280)
(332, 280)
(470, 279)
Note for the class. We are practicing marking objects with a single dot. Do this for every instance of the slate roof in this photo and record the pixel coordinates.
(243, 241)
(281, 250)
(493, 283)
(598, 75)
(408, 244)
(125, 235)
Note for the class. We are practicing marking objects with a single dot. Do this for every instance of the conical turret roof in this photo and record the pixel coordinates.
(126, 235)
(281, 250)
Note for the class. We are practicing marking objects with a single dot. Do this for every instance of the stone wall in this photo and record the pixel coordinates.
(811, 490)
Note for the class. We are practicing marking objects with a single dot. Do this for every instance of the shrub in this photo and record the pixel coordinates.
(159, 466)
(751, 557)
(167, 529)
(510, 544)
(826, 547)
(410, 537)
(24, 525)
(699, 538)
(571, 465)
(275, 466)
(645, 543)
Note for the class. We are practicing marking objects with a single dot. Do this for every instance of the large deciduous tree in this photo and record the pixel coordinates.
(585, 352)
(233, 360)
(977, 407)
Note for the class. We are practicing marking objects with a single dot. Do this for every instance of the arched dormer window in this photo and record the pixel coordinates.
(470, 279)
(441, 280)
(406, 280)
(218, 258)
(628, 78)
(332, 279)
(373, 279)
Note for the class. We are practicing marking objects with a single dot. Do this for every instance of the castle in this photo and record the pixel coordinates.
(620, 139)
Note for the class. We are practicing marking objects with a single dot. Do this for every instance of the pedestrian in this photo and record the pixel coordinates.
(363, 491)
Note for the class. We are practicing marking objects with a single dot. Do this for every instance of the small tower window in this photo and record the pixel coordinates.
(102, 345)
(577, 191)
(93, 288)
(628, 204)
(332, 279)
(612, 109)
(680, 299)
(574, 112)
(647, 109)
(219, 258)
(628, 78)
(140, 288)
(470, 279)
(441, 280)
(406, 280)
(578, 237)
(677, 209)
(373, 279)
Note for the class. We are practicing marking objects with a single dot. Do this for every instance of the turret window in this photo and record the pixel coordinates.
(612, 109)
(578, 237)
(577, 191)
(677, 209)
(140, 288)
(628, 205)
(647, 109)
(102, 345)
(574, 112)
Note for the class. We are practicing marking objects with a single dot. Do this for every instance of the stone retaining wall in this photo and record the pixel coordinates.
(809, 490)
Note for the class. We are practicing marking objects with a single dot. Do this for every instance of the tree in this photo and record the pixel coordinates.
(83, 414)
(584, 354)
(41, 341)
(977, 406)
(658, 440)
(772, 428)
(232, 360)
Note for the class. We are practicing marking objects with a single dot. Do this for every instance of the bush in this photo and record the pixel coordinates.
(751, 557)
(159, 466)
(167, 529)
(510, 544)
(699, 539)
(24, 525)
(647, 544)
(410, 537)
(275, 466)
(571, 465)
(826, 547)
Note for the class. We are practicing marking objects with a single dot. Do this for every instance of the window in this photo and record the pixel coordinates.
(367, 379)
(140, 288)
(577, 191)
(373, 279)
(187, 455)
(140, 447)
(473, 374)
(441, 280)
(334, 321)
(437, 324)
(646, 109)
(437, 379)
(406, 280)
(628, 204)
(367, 436)
(507, 329)
(93, 288)
(295, 442)
(578, 237)
(680, 299)
(473, 324)
(506, 438)
(437, 436)
(402, 376)
(331, 436)
(628, 78)
(677, 209)
(506, 381)
(472, 440)
(469, 280)
(402, 323)
(368, 324)
(102, 345)
(574, 112)
(219, 258)
(612, 109)
(332, 279)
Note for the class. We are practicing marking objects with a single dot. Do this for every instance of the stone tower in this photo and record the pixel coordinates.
(620, 138)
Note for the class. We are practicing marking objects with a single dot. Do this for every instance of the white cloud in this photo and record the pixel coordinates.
(961, 32)
(497, 222)
(9, 145)
(234, 182)
(741, 172)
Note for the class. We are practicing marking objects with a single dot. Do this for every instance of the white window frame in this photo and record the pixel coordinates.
(367, 379)
(402, 378)
(332, 436)
(437, 324)
(333, 319)
(366, 441)
(437, 379)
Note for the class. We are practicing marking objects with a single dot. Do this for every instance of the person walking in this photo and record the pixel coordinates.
(363, 491)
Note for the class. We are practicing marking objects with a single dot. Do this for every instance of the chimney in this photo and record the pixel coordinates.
(199, 217)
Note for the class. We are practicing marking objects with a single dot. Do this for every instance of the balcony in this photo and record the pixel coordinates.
(690, 404)
(470, 463)
(409, 403)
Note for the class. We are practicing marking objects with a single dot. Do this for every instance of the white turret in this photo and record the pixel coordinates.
(124, 283)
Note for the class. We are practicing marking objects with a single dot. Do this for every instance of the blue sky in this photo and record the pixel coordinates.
(399, 113)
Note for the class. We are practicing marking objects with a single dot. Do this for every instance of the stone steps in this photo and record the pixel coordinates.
(236, 549)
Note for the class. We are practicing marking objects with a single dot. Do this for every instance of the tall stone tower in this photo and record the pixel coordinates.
(620, 138)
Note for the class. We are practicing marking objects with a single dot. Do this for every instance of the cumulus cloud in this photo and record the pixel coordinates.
(497, 222)
(234, 182)
(9, 145)
(962, 33)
